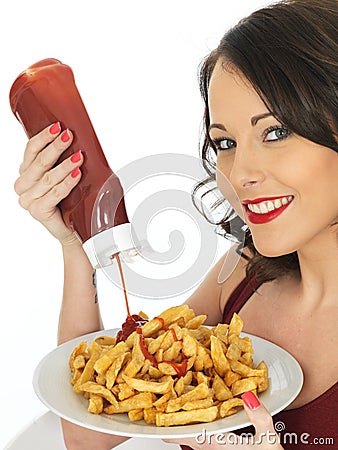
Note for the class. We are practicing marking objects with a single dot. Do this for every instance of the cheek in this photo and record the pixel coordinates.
(227, 190)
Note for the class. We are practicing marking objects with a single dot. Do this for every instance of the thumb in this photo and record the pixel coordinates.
(259, 416)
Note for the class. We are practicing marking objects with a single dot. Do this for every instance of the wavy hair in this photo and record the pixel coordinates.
(288, 52)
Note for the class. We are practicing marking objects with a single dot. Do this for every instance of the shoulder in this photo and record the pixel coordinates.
(212, 294)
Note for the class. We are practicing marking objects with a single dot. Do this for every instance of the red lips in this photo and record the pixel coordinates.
(256, 218)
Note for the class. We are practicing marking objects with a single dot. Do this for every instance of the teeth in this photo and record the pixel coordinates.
(270, 206)
(265, 207)
(255, 208)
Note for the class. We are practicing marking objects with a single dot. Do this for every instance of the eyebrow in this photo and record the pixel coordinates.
(217, 125)
(253, 120)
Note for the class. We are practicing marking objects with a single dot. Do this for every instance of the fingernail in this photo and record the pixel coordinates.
(65, 136)
(250, 400)
(75, 172)
(76, 157)
(55, 128)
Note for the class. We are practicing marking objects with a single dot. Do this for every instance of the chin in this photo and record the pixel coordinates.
(272, 249)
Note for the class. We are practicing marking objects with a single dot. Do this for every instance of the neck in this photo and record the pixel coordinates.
(318, 262)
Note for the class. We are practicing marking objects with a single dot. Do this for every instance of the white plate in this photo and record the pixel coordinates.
(51, 382)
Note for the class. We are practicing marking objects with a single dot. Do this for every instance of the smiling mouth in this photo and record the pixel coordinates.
(263, 210)
(265, 207)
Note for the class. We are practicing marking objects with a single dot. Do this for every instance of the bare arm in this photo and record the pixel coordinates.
(40, 187)
(80, 313)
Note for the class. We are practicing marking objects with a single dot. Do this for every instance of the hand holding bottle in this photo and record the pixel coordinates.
(41, 186)
(45, 95)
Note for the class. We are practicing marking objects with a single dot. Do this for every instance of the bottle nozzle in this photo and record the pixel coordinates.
(102, 247)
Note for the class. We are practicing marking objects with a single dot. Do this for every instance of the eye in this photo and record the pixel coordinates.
(222, 144)
(275, 133)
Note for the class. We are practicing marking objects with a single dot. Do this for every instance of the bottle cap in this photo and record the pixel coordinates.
(102, 247)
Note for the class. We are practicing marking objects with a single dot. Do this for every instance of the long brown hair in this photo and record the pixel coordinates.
(288, 52)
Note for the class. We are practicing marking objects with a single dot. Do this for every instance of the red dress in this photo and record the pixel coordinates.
(314, 423)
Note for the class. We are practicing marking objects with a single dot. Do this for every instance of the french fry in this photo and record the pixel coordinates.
(244, 343)
(78, 350)
(196, 321)
(135, 414)
(236, 325)
(95, 404)
(172, 371)
(234, 352)
(88, 371)
(143, 400)
(221, 390)
(173, 352)
(168, 317)
(228, 406)
(94, 388)
(102, 364)
(149, 386)
(75, 376)
(186, 417)
(155, 344)
(243, 385)
(197, 393)
(79, 362)
(149, 415)
(198, 404)
(106, 341)
(114, 369)
(221, 363)
(189, 345)
(221, 332)
(231, 377)
(245, 371)
(137, 358)
(125, 391)
(263, 383)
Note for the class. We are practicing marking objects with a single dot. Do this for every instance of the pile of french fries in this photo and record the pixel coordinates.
(215, 368)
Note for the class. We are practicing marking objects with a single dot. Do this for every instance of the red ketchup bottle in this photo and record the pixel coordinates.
(46, 93)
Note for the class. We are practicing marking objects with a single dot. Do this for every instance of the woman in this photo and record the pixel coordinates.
(270, 92)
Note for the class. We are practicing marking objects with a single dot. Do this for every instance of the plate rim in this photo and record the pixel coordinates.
(160, 430)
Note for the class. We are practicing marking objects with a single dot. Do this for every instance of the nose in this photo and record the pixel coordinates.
(247, 168)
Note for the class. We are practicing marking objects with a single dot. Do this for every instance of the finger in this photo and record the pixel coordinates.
(258, 415)
(43, 209)
(37, 143)
(50, 179)
(44, 160)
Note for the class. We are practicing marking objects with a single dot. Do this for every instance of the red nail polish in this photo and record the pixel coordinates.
(75, 172)
(250, 400)
(65, 136)
(55, 128)
(76, 157)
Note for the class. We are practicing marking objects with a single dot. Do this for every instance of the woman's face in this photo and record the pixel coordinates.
(287, 185)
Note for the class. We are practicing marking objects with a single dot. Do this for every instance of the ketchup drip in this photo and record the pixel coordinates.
(160, 320)
(144, 349)
(180, 368)
(133, 321)
(123, 284)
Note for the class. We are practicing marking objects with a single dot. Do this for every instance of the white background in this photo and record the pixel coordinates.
(135, 64)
